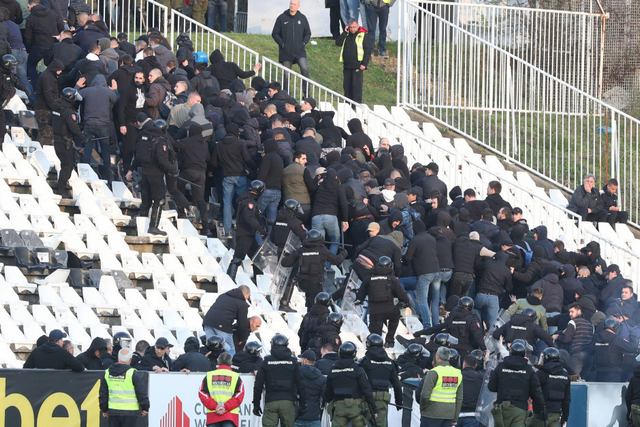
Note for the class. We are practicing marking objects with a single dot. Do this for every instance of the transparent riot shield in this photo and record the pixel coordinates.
(486, 397)
(349, 298)
(494, 346)
(281, 275)
(266, 258)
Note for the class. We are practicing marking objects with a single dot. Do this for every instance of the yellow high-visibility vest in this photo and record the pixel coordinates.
(359, 46)
(222, 385)
(122, 393)
(449, 379)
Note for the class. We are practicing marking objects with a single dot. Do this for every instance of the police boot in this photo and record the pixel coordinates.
(154, 220)
(233, 268)
(286, 299)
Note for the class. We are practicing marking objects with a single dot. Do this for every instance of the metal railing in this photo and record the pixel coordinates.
(514, 108)
(133, 17)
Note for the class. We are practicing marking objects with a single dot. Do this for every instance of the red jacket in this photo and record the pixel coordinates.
(230, 404)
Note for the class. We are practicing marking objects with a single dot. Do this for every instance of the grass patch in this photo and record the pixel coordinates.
(325, 68)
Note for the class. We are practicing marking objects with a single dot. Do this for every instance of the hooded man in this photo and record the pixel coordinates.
(43, 24)
(192, 360)
(227, 72)
(91, 359)
(47, 97)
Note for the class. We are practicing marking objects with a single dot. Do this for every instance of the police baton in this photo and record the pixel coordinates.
(401, 407)
(189, 182)
(336, 243)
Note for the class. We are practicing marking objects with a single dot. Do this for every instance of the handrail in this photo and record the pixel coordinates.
(506, 7)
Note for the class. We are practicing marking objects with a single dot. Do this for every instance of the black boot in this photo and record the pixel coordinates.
(233, 268)
(286, 299)
(154, 220)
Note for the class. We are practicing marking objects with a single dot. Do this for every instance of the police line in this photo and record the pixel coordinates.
(30, 398)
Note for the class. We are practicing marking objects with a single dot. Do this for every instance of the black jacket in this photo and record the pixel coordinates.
(47, 89)
(444, 241)
(42, 25)
(246, 363)
(151, 359)
(232, 156)
(581, 202)
(350, 51)
(14, 9)
(466, 255)
(515, 381)
(229, 308)
(88, 357)
(382, 372)
(556, 388)
(496, 202)
(471, 386)
(553, 295)
(330, 198)
(432, 183)
(315, 317)
(226, 72)
(139, 383)
(193, 151)
(64, 122)
(496, 277)
(358, 138)
(89, 37)
(291, 33)
(51, 356)
(65, 51)
(378, 246)
(326, 363)
(192, 359)
(205, 80)
(271, 166)
(126, 109)
(278, 375)
(312, 381)
(476, 208)
(422, 254)
(521, 327)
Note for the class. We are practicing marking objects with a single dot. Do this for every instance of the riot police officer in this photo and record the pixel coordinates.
(478, 355)
(348, 389)
(288, 220)
(247, 225)
(315, 317)
(311, 258)
(329, 332)
(556, 389)
(8, 84)
(609, 352)
(278, 376)
(515, 382)
(381, 288)
(213, 348)
(472, 379)
(66, 137)
(248, 360)
(120, 340)
(411, 365)
(524, 326)
(382, 374)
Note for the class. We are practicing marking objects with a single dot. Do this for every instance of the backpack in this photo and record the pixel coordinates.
(167, 104)
(527, 253)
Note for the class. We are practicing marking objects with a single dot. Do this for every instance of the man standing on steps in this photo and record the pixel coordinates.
(292, 33)
(354, 55)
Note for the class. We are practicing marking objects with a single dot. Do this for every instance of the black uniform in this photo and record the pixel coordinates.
(471, 385)
(556, 389)
(410, 366)
(522, 327)
(311, 322)
(66, 133)
(465, 326)
(383, 374)
(152, 156)
(246, 363)
(347, 383)
(286, 221)
(8, 84)
(609, 354)
(247, 225)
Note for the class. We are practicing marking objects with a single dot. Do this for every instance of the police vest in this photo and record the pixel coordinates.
(222, 386)
(380, 289)
(359, 47)
(515, 332)
(311, 262)
(555, 386)
(122, 393)
(449, 379)
(280, 230)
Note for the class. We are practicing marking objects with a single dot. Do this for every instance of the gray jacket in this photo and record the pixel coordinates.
(98, 102)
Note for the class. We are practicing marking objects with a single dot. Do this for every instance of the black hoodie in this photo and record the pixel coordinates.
(358, 138)
(88, 357)
(52, 356)
(229, 308)
(278, 376)
(192, 359)
(226, 72)
(271, 166)
(246, 363)
(312, 382)
(42, 26)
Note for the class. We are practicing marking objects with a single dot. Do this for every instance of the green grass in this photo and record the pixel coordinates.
(379, 80)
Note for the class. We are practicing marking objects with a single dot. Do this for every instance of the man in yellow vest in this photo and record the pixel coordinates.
(123, 392)
(354, 55)
(441, 393)
(222, 393)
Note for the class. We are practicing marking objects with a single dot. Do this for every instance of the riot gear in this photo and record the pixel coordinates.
(253, 347)
(279, 339)
(550, 353)
(466, 303)
(215, 344)
(335, 319)
(374, 340)
(256, 187)
(314, 235)
(518, 348)
(347, 350)
(323, 298)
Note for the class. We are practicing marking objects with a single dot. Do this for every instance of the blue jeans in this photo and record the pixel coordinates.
(328, 225)
(231, 186)
(377, 15)
(409, 284)
(423, 286)
(443, 278)
(349, 9)
(21, 69)
(488, 306)
(217, 12)
(468, 422)
(268, 205)
(229, 346)
(99, 137)
(307, 423)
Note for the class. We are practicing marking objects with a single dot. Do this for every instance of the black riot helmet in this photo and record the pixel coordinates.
(415, 349)
(374, 340)
(550, 353)
(347, 350)
(69, 93)
(293, 205)
(9, 61)
(256, 187)
(530, 313)
(611, 323)
(120, 338)
(314, 235)
(215, 343)
(385, 262)
(335, 319)
(518, 348)
(253, 348)
(466, 303)
(323, 298)
(279, 339)
(442, 339)
(454, 358)
(160, 125)
(479, 356)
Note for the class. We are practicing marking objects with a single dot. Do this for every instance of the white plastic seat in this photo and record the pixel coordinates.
(44, 317)
(70, 297)
(172, 319)
(109, 290)
(156, 300)
(16, 279)
(49, 295)
(149, 317)
(79, 335)
(86, 315)
(192, 318)
(134, 298)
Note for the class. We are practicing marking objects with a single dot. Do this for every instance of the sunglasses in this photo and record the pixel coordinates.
(161, 348)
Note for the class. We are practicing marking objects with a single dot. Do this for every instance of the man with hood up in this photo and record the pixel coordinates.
(91, 359)
(192, 360)
(108, 55)
(67, 134)
(355, 54)
(227, 72)
(291, 32)
(43, 24)
(358, 138)
(47, 97)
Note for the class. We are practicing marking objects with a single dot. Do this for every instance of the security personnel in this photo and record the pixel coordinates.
(311, 258)
(288, 220)
(441, 391)
(248, 360)
(120, 340)
(609, 352)
(411, 365)
(348, 390)
(382, 374)
(355, 53)
(381, 288)
(152, 156)
(478, 355)
(472, 380)
(278, 376)
(247, 225)
(524, 326)
(222, 393)
(556, 389)
(315, 317)
(8, 84)
(329, 332)
(123, 392)
(515, 382)
(67, 135)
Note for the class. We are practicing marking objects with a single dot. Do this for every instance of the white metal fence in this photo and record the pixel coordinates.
(512, 107)
(133, 17)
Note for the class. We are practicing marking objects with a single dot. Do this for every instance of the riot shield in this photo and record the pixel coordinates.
(266, 258)
(349, 298)
(494, 346)
(281, 275)
(486, 398)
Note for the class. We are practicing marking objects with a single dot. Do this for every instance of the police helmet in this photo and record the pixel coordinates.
(335, 319)
(415, 349)
(478, 355)
(200, 57)
(611, 323)
(279, 339)
(385, 262)
(69, 93)
(119, 337)
(253, 348)
(454, 358)
(466, 303)
(9, 61)
(518, 348)
(347, 350)
(530, 313)
(215, 343)
(314, 235)
(550, 353)
(323, 298)
(160, 124)
(256, 187)
(374, 340)
(292, 204)
(442, 339)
